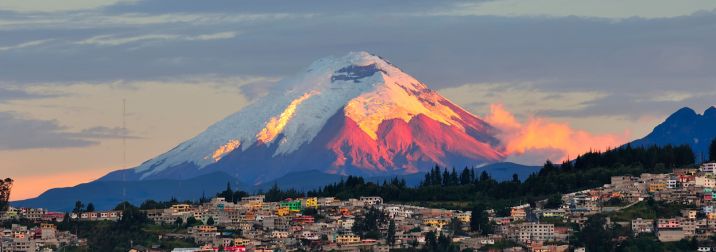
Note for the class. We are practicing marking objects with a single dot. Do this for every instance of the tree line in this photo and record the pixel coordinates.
(590, 170)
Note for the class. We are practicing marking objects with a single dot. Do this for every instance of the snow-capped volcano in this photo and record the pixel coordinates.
(356, 114)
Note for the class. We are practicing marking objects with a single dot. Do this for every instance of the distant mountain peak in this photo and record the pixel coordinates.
(684, 113)
(684, 126)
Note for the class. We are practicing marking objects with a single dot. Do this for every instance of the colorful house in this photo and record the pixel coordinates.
(311, 202)
(306, 219)
(438, 223)
(282, 211)
(293, 205)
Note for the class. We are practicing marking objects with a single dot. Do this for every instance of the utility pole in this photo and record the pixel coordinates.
(124, 153)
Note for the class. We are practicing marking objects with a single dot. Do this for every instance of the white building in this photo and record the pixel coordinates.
(671, 183)
(535, 232)
(371, 201)
(708, 167)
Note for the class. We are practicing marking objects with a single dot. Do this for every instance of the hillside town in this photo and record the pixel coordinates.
(369, 224)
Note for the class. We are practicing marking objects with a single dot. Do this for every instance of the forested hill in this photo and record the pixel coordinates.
(457, 188)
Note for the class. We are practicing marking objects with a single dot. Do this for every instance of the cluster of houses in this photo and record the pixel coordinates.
(43, 215)
(693, 189)
(326, 223)
(45, 237)
(256, 225)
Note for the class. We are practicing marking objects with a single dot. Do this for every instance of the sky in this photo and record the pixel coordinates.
(603, 71)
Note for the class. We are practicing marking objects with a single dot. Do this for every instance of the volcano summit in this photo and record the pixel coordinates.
(357, 114)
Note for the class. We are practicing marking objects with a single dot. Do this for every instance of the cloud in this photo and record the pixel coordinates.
(24, 45)
(12, 94)
(20, 133)
(116, 40)
(585, 8)
(538, 139)
(102, 132)
(23, 133)
(50, 6)
(215, 36)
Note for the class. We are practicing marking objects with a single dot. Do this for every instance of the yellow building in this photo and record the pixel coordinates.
(206, 228)
(241, 242)
(253, 202)
(711, 216)
(347, 239)
(282, 211)
(438, 223)
(47, 226)
(180, 208)
(655, 187)
(463, 217)
(311, 202)
(518, 213)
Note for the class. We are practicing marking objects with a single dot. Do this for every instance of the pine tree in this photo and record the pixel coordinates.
(465, 176)
(453, 177)
(479, 221)
(79, 207)
(437, 179)
(390, 237)
(446, 178)
(90, 207)
(484, 176)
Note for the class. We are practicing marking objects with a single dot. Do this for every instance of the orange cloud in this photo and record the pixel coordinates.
(557, 141)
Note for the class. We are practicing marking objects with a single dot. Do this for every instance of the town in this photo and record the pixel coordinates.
(368, 223)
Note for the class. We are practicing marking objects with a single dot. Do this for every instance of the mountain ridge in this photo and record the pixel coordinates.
(685, 126)
(106, 194)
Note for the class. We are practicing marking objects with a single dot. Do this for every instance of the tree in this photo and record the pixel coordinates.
(712, 150)
(479, 221)
(5, 188)
(90, 207)
(125, 205)
(594, 236)
(191, 221)
(484, 176)
(367, 226)
(456, 226)
(179, 221)
(390, 237)
(151, 204)
(465, 177)
(446, 177)
(227, 194)
(210, 221)
(66, 222)
(554, 202)
(431, 241)
(79, 207)
(454, 180)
